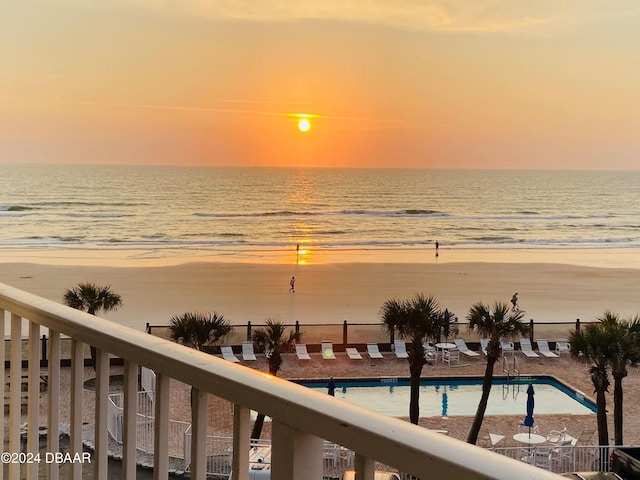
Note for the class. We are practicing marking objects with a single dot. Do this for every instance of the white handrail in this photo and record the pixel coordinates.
(397, 443)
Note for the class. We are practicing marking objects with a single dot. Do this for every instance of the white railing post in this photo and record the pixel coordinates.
(15, 393)
(100, 455)
(130, 417)
(77, 385)
(53, 405)
(295, 455)
(161, 428)
(241, 442)
(198, 453)
(33, 392)
(365, 467)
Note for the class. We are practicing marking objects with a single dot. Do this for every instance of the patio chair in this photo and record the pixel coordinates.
(430, 351)
(585, 437)
(557, 436)
(562, 346)
(561, 453)
(484, 343)
(543, 348)
(400, 348)
(373, 351)
(247, 351)
(227, 354)
(464, 349)
(526, 349)
(327, 350)
(507, 347)
(451, 355)
(353, 353)
(301, 352)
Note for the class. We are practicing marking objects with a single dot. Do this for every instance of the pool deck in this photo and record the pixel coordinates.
(569, 372)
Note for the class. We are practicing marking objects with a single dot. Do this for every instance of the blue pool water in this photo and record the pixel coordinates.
(459, 396)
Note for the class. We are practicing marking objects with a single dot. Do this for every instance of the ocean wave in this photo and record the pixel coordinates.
(306, 213)
(15, 208)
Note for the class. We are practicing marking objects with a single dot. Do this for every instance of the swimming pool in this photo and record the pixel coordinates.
(457, 396)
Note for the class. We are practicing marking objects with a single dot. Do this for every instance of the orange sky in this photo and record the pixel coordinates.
(414, 83)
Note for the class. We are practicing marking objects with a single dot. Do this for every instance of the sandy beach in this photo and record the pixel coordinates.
(331, 293)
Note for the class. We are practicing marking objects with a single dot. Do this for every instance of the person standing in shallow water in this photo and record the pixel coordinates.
(292, 284)
(331, 387)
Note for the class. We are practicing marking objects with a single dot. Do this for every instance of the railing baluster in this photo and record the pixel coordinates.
(365, 467)
(129, 420)
(53, 404)
(241, 442)
(295, 455)
(15, 392)
(100, 456)
(198, 466)
(33, 392)
(161, 428)
(77, 380)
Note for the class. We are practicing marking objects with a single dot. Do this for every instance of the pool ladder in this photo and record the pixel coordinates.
(515, 369)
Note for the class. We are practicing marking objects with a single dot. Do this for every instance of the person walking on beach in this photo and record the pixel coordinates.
(437, 247)
(292, 284)
(514, 302)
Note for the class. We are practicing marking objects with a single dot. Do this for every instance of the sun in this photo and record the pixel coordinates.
(304, 125)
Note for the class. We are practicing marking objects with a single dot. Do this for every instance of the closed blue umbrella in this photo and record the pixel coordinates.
(528, 420)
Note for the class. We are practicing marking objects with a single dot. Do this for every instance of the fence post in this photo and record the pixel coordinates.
(249, 331)
(345, 331)
(531, 335)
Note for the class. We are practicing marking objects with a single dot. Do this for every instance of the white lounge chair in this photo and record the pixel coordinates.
(353, 353)
(464, 349)
(527, 349)
(543, 348)
(562, 346)
(400, 349)
(484, 343)
(247, 351)
(327, 350)
(227, 354)
(373, 351)
(301, 352)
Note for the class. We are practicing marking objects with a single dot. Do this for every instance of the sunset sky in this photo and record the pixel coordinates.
(405, 83)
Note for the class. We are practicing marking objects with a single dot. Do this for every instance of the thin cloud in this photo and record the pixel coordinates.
(444, 16)
(238, 111)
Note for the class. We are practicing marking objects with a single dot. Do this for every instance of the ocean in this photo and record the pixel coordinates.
(250, 212)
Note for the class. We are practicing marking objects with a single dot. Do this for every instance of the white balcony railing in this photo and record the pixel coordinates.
(302, 419)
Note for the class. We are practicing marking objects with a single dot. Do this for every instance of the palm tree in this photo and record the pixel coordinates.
(626, 336)
(417, 320)
(273, 338)
(495, 323)
(92, 298)
(198, 330)
(595, 345)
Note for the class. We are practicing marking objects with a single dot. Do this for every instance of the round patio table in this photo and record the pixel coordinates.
(531, 439)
